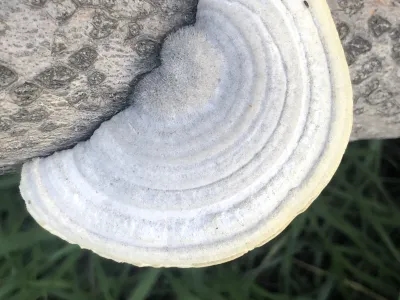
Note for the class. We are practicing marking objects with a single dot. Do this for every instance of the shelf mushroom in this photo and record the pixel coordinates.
(235, 134)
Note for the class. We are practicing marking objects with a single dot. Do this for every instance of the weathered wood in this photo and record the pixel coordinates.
(370, 34)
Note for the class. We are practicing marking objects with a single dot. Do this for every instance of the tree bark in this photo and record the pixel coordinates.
(66, 66)
(370, 34)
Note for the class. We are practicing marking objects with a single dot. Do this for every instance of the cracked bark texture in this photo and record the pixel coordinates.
(68, 65)
(370, 34)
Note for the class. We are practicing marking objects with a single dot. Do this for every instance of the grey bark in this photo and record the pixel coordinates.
(68, 65)
(370, 34)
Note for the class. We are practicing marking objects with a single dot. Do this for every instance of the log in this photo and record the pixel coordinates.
(66, 66)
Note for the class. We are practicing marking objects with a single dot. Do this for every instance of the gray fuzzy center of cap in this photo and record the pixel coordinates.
(188, 77)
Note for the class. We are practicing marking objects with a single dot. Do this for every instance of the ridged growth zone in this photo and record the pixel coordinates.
(237, 131)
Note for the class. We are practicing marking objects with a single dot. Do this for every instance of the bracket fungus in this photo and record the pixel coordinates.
(235, 134)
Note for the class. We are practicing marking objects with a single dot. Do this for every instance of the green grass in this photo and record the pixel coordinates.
(345, 246)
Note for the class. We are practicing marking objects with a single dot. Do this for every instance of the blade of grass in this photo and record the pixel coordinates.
(22, 240)
(9, 181)
(146, 283)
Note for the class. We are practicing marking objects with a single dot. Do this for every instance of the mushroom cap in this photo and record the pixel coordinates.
(236, 133)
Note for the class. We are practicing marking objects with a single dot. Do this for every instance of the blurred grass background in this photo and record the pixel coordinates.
(345, 246)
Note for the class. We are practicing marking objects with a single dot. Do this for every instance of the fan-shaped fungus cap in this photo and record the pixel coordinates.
(235, 134)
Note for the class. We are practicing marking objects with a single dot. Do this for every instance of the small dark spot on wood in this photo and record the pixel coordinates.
(306, 4)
